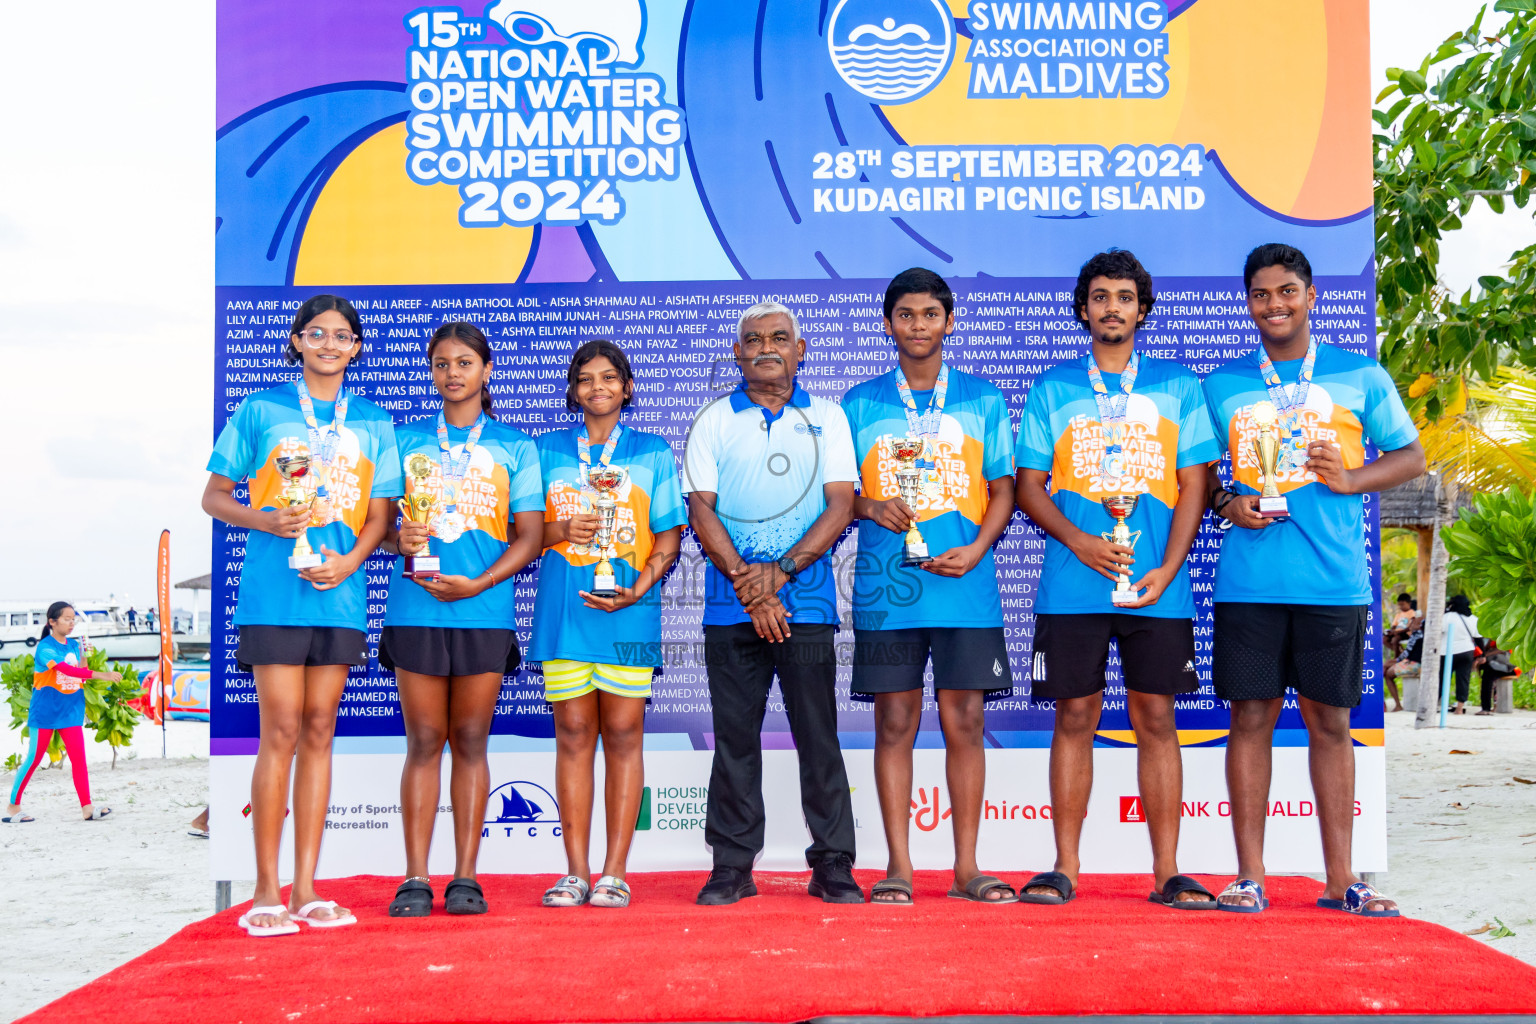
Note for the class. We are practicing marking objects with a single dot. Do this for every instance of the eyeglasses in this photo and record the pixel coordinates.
(315, 337)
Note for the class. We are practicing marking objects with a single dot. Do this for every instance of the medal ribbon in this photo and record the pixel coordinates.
(455, 468)
(1290, 401)
(322, 445)
(584, 451)
(926, 424)
(1112, 412)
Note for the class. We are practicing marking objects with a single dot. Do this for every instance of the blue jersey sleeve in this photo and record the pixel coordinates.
(1036, 448)
(388, 481)
(997, 457)
(50, 652)
(525, 488)
(1387, 422)
(235, 450)
(667, 509)
(1197, 437)
(1212, 391)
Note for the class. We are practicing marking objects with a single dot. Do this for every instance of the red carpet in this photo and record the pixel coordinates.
(785, 957)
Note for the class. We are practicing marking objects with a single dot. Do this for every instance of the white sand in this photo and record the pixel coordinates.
(84, 897)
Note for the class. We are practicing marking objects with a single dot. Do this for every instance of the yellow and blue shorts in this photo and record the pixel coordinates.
(566, 679)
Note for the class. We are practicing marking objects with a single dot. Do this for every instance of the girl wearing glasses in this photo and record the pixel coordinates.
(474, 504)
(322, 467)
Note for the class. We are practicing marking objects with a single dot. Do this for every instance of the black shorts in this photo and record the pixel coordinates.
(892, 660)
(1261, 650)
(440, 651)
(301, 645)
(1071, 653)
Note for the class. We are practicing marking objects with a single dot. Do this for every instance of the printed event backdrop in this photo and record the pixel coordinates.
(557, 170)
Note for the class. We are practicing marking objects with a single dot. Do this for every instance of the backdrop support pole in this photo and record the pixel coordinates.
(221, 896)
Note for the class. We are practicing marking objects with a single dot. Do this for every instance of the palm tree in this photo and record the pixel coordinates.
(1485, 439)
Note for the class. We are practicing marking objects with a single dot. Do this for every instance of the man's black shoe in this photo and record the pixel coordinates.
(726, 885)
(832, 880)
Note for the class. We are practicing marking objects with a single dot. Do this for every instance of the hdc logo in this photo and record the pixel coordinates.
(925, 809)
(1130, 809)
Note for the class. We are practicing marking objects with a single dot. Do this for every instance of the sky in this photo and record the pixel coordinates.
(106, 306)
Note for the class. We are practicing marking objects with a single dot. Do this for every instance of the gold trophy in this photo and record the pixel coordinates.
(606, 479)
(418, 506)
(906, 451)
(1266, 448)
(1120, 507)
(294, 469)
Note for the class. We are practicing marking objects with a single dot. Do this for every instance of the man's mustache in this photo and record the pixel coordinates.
(768, 357)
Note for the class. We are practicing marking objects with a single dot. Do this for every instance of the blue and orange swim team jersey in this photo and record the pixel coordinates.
(1167, 429)
(975, 446)
(501, 480)
(650, 501)
(1317, 554)
(58, 698)
(366, 465)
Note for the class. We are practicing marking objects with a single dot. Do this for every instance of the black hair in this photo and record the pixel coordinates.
(1459, 605)
(471, 336)
(918, 281)
(1409, 598)
(1277, 254)
(589, 351)
(54, 611)
(313, 307)
(1117, 265)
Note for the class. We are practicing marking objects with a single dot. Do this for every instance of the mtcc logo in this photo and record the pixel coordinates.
(521, 809)
(892, 51)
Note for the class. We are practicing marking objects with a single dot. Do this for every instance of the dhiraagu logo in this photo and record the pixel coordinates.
(672, 808)
(892, 51)
(521, 809)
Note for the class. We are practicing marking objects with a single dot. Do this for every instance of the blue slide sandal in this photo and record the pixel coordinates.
(1355, 900)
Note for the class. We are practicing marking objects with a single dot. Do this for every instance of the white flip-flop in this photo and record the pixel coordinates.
(339, 921)
(262, 931)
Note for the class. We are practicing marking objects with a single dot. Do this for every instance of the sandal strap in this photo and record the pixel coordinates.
(575, 885)
(1361, 893)
(275, 910)
(611, 882)
(983, 884)
(1245, 887)
(314, 905)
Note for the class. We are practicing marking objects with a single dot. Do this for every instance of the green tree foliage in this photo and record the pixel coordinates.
(1493, 547)
(1462, 128)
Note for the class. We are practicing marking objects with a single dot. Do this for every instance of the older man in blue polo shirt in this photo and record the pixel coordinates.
(769, 473)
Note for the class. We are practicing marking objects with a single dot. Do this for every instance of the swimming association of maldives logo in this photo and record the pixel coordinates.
(892, 51)
(521, 808)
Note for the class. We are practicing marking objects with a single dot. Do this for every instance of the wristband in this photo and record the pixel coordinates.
(492, 575)
(1230, 495)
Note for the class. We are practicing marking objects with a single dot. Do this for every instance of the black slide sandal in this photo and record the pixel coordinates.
(1169, 897)
(464, 896)
(412, 899)
(1056, 880)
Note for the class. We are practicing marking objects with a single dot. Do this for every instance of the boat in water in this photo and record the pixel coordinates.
(104, 624)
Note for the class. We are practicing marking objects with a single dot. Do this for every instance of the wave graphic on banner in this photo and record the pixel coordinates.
(889, 71)
(897, 58)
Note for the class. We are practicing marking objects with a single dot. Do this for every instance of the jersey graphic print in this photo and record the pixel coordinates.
(1167, 428)
(973, 446)
(267, 425)
(501, 480)
(58, 701)
(1316, 554)
(650, 501)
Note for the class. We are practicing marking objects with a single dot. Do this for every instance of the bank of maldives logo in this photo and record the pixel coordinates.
(520, 808)
(892, 51)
